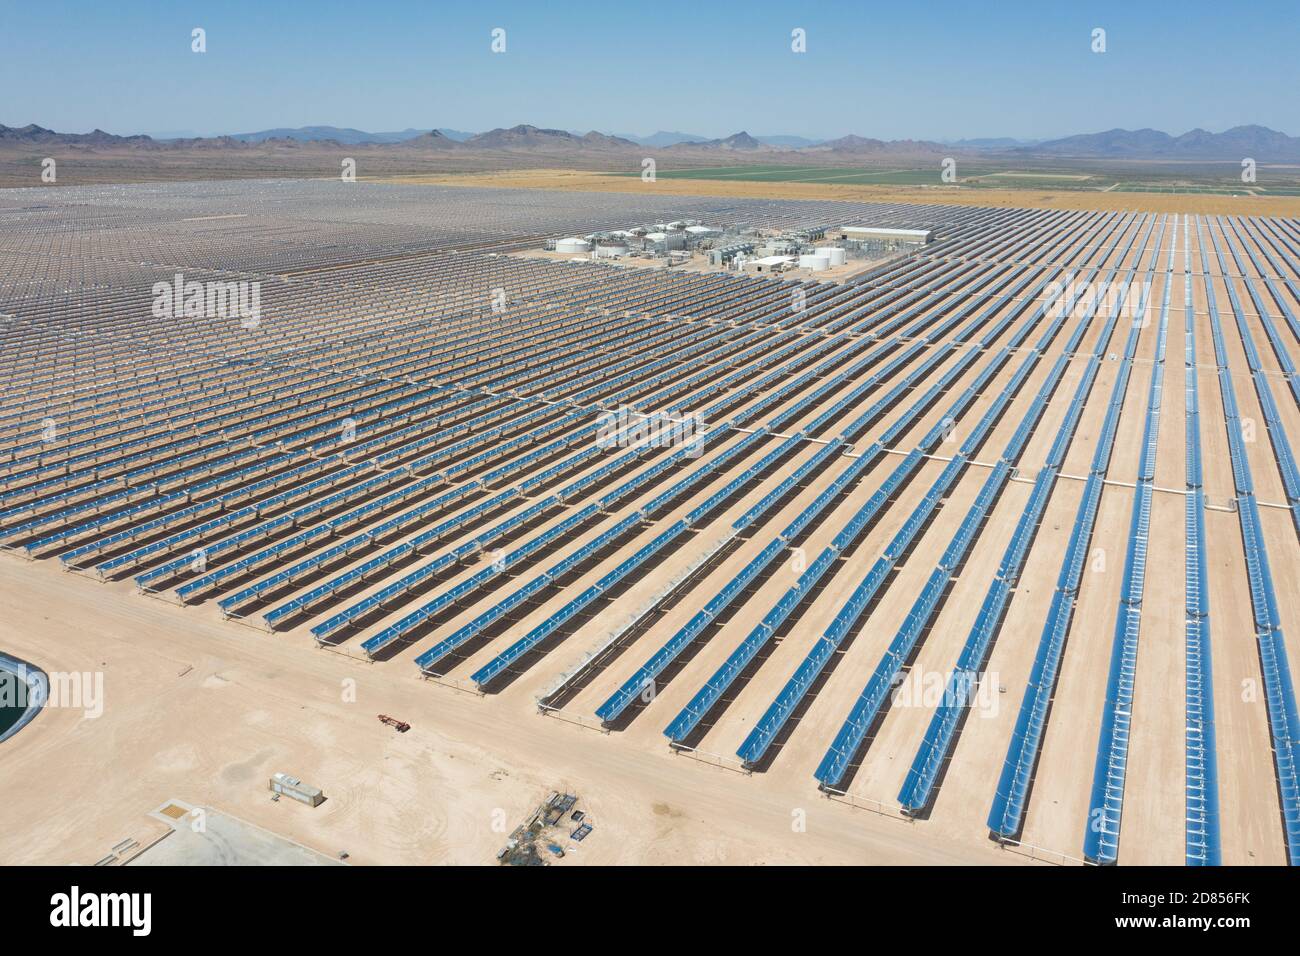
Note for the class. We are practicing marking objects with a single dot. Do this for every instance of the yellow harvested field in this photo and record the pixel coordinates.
(1070, 199)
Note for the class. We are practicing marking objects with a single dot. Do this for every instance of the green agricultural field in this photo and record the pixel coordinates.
(1088, 183)
(1186, 190)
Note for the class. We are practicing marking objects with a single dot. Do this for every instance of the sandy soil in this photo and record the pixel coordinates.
(206, 711)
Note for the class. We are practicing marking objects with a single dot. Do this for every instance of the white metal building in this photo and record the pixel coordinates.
(768, 264)
(880, 233)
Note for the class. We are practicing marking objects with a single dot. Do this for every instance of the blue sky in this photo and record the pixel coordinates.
(940, 70)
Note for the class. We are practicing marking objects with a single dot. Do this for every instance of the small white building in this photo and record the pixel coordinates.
(768, 264)
(294, 788)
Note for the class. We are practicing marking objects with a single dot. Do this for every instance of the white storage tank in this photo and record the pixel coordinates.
(815, 262)
(572, 244)
(837, 255)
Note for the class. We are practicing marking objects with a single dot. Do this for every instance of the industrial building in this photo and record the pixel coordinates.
(284, 785)
(883, 237)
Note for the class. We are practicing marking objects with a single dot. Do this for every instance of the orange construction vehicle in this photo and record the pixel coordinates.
(401, 725)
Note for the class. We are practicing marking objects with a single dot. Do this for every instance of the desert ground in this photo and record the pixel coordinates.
(206, 711)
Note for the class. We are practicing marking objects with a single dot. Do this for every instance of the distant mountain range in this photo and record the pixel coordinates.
(335, 134)
(866, 145)
(311, 134)
(852, 144)
(736, 141)
(662, 139)
(348, 136)
(993, 142)
(533, 137)
(39, 136)
(1257, 142)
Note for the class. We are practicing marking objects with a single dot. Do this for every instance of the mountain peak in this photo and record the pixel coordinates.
(741, 140)
(434, 139)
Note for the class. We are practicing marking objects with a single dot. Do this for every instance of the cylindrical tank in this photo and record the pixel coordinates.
(837, 255)
(815, 262)
(572, 245)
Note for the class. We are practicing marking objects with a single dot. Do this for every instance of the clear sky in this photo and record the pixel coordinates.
(924, 70)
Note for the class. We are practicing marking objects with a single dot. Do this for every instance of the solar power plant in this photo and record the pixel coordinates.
(996, 535)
